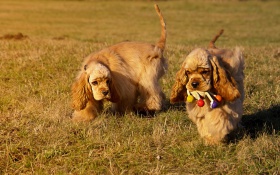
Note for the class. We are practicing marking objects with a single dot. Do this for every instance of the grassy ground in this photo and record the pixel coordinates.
(39, 66)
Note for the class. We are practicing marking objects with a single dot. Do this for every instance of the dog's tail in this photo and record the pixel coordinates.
(212, 42)
(161, 43)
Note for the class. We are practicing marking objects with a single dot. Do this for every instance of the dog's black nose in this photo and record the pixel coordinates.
(105, 92)
(195, 84)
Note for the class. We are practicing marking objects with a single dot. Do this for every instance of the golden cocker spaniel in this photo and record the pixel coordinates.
(126, 74)
(210, 81)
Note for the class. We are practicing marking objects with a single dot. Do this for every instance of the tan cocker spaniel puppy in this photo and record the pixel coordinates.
(210, 81)
(126, 74)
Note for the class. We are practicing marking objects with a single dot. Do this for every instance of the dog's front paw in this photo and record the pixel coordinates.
(79, 116)
(210, 140)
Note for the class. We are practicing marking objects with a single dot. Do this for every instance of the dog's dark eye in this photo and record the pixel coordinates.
(107, 81)
(187, 72)
(205, 72)
(94, 83)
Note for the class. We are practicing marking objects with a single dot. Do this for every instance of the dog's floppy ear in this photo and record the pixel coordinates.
(81, 92)
(179, 91)
(223, 83)
(115, 97)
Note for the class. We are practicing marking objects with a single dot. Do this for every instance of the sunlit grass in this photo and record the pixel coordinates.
(37, 135)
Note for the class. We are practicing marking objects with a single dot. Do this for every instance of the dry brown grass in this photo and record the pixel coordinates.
(37, 135)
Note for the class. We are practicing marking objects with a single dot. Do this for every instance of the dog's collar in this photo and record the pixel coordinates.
(200, 95)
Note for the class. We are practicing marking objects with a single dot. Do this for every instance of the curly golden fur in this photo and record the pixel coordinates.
(125, 74)
(218, 71)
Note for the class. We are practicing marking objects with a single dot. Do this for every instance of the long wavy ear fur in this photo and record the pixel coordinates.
(115, 97)
(81, 92)
(223, 83)
(179, 91)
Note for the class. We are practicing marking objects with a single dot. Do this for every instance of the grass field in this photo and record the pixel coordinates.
(39, 66)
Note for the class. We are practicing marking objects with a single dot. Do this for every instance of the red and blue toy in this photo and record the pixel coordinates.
(200, 96)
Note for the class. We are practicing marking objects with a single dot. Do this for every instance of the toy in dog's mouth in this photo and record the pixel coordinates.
(200, 96)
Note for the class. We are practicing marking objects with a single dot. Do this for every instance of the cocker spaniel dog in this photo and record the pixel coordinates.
(126, 74)
(210, 81)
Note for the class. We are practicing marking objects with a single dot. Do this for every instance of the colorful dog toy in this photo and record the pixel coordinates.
(199, 96)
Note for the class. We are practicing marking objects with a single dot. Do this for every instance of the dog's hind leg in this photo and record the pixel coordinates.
(151, 99)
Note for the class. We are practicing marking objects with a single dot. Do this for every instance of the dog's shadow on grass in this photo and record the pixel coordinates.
(265, 121)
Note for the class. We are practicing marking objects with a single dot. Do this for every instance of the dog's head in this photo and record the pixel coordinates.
(202, 71)
(198, 70)
(99, 79)
(95, 82)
